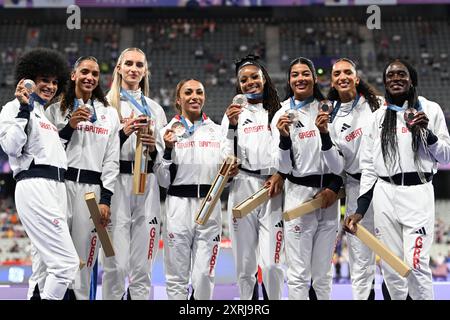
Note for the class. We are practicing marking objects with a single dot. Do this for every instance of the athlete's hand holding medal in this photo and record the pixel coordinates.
(174, 134)
(415, 119)
(235, 108)
(24, 89)
(324, 116)
(81, 113)
(285, 121)
(326, 106)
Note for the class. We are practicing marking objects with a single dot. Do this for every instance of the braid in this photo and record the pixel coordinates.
(389, 132)
(389, 138)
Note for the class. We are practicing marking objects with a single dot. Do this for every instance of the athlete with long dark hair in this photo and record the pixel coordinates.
(399, 157)
(309, 240)
(257, 238)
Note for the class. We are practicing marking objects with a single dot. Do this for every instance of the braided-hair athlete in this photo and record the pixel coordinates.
(399, 157)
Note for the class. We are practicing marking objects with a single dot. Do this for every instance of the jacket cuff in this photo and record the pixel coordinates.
(364, 202)
(24, 111)
(105, 196)
(335, 183)
(66, 132)
(431, 138)
(326, 141)
(285, 143)
(154, 154)
(231, 132)
(123, 137)
(167, 154)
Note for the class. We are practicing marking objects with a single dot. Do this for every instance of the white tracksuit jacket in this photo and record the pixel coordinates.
(309, 240)
(404, 214)
(346, 132)
(93, 147)
(190, 249)
(257, 238)
(136, 219)
(31, 141)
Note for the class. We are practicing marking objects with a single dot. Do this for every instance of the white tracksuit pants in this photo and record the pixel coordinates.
(135, 232)
(190, 249)
(309, 243)
(41, 204)
(256, 238)
(404, 221)
(83, 234)
(361, 258)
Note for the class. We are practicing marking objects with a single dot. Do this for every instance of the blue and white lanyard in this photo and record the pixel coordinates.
(35, 97)
(93, 118)
(144, 109)
(300, 105)
(338, 106)
(395, 108)
(253, 96)
(190, 129)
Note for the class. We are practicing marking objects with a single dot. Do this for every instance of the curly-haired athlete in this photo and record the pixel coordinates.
(38, 161)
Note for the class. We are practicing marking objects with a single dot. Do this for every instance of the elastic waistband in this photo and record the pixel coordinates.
(356, 176)
(128, 166)
(189, 190)
(83, 176)
(408, 178)
(41, 171)
(314, 181)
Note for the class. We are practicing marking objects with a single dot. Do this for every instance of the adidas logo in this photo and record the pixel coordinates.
(421, 231)
(345, 127)
(217, 238)
(154, 221)
(247, 121)
(299, 125)
(279, 224)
